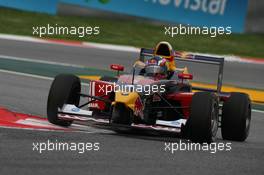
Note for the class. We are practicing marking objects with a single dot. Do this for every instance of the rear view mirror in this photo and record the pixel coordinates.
(185, 76)
(117, 67)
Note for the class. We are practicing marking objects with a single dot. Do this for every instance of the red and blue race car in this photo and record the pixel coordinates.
(156, 95)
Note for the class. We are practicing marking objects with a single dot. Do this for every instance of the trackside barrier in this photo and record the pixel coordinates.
(209, 13)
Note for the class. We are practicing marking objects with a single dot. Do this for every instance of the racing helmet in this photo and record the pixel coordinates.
(155, 66)
(165, 50)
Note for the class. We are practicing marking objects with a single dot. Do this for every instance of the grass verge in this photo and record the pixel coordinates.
(134, 33)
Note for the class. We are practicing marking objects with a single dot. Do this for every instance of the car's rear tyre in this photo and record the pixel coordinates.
(121, 115)
(203, 120)
(65, 89)
(236, 117)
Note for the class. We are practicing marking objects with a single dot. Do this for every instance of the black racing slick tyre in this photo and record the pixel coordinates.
(236, 117)
(203, 120)
(65, 89)
(121, 115)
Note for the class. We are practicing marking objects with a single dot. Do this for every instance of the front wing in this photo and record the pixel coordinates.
(72, 113)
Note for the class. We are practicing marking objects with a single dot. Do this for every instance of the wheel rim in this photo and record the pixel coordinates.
(248, 118)
(214, 120)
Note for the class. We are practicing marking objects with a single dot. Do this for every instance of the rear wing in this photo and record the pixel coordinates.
(196, 59)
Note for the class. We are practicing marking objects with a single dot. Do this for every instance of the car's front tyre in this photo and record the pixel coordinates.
(65, 89)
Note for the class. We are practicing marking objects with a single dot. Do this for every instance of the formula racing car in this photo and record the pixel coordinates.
(156, 95)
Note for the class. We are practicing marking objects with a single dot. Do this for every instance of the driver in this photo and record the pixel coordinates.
(156, 66)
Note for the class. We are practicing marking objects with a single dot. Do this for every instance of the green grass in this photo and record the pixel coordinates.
(134, 33)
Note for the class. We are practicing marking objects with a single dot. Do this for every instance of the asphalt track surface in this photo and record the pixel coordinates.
(238, 74)
(118, 154)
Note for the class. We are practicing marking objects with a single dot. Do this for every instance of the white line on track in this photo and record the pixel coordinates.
(21, 38)
(50, 79)
(259, 111)
(40, 61)
(26, 75)
(32, 75)
(112, 47)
